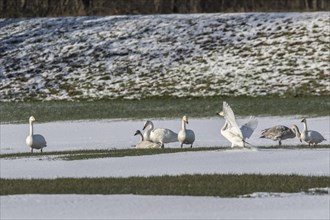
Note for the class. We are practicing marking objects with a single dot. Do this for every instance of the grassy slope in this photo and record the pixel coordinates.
(229, 185)
(162, 107)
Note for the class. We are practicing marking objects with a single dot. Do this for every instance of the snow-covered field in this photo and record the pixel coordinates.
(255, 206)
(97, 134)
(268, 206)
(176, 55)
(73, 135)
(295, 161)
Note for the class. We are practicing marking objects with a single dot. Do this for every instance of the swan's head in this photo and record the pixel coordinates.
(32, 119)
(137, 132)
(146, 124)
(303, 120)
(185, 119)
(221, 113)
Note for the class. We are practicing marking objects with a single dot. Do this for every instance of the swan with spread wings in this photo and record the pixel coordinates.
(232, 132)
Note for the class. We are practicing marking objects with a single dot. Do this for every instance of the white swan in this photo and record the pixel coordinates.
(186, 136)
(236, 135)
(159, 135)
(35, 141)
(278, 133)
(145, 144)
(310, 136)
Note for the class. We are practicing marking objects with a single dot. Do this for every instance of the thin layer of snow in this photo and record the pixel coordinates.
(73, 135)
(176, 55)
(286, 206)
(302, 162)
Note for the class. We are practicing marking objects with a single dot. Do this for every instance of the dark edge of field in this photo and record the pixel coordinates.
(162, 107)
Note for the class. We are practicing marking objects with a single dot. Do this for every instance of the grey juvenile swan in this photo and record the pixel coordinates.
(35, 141)
(145, 144)
(278, 133)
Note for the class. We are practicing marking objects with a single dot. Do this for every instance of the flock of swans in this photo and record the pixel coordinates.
(156, 138)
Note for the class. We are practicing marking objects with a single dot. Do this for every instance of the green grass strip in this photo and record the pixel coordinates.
(19, 112)
(229, 185)
(106, 153)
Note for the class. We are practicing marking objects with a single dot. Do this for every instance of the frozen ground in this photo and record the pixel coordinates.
(175, 55)
(254, 206)
(268, 206)
(97, 134)
(70, 135)
(295, 161)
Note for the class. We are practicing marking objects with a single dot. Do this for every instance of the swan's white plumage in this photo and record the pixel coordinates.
(232, 132)
(310, 136)
(278, 133)
(186, 136)
(143, 144)
(229, 116)
(159, 135)
(35, 141)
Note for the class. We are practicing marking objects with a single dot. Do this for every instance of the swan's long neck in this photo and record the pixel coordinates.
(146, 134)
(297, 132)
(141, 137)
(31, 128)
(305, 126)
(183, 125)
(151, 126)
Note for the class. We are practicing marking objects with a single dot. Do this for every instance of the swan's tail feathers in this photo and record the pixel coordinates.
(249, 127)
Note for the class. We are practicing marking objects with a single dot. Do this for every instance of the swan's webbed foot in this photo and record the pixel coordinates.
(279, 143)
(181, 145)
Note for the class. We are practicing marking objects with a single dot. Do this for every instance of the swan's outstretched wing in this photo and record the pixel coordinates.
(229, 114)
(230, 118)
(249, 127)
